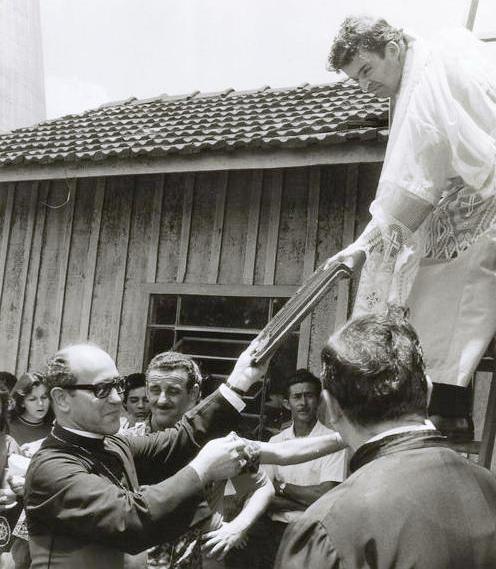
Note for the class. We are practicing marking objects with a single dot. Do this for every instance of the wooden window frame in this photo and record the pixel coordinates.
(191, 289)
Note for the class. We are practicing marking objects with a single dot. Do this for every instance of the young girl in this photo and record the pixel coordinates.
(31, 417)
(31, 420)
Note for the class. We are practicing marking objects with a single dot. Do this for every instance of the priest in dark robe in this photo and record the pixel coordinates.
(84, 506)
(410, 500)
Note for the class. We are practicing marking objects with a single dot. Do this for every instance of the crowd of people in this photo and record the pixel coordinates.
(38, 412)
(101, 493)
(136, 471)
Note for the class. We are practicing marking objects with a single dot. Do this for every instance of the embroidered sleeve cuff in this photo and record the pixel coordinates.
(234, 399)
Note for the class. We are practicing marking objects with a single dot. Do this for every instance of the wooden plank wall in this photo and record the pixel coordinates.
(76, 255)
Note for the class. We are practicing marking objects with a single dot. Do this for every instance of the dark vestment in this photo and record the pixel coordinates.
(411, 502)
(83, 502)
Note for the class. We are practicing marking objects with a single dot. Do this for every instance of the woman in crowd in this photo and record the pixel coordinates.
(31, 417)
(8, 497)
(31, 420)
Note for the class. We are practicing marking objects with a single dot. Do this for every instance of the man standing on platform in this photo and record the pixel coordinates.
(431, 242)
(410, 500)
(84, 505)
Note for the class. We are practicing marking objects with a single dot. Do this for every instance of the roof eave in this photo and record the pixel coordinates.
(348, 152)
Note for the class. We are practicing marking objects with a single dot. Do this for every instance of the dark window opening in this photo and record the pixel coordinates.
(214, 330)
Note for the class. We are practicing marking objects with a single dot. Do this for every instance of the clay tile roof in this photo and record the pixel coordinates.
(195, 122)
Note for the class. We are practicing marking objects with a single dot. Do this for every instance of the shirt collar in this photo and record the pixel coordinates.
(86, 434)
(312, 433)
(427, 426)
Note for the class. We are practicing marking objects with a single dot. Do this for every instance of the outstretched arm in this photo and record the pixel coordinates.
(233, 534)
(300, 450)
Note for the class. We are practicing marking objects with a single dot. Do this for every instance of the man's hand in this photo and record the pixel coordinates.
(244, 374)
(16, 484)
(220, 541)
(220, 459)
(28, 449)
(351, 257)
(7, 498)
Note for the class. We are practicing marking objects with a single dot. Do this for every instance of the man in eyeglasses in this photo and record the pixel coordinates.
(84, 506)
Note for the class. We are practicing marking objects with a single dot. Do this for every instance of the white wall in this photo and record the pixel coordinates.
(22, 90)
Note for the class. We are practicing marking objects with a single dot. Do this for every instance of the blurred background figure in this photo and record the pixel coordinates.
(297, 486)
(7, 380)
(31, 417)
(8, 497)
(31, 420)
(135, 400)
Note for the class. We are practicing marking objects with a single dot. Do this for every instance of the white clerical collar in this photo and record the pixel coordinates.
(427, 426)
(86, 434)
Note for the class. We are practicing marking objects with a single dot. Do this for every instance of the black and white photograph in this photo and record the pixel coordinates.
(247, 284)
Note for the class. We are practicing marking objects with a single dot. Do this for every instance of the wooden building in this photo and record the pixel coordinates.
(182, 221)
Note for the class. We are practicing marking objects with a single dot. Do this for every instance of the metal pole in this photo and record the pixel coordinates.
(472, 13)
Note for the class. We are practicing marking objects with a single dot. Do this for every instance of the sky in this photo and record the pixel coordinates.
(97, 51)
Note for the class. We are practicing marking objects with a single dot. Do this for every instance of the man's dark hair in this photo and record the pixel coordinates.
(7, 380)
(360, 32)
(373, 367)
(133, 381)
(58, 372)
(303, 376)
(167, 361)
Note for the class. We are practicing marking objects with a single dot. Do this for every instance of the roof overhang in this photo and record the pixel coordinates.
(347, 153)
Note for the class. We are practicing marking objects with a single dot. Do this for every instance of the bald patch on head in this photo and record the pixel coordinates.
(88, 362)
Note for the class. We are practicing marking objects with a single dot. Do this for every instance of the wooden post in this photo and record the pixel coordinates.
(309, 261)
(253, 225)
(344, 286)
(29, 304)
(66, 248)
(274, 220)
(186, 227)
(91, 260)
(151, 272)
(216, 245)
(121, 281)
(4, 246)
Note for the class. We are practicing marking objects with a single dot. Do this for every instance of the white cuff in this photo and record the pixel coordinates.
(233, 398)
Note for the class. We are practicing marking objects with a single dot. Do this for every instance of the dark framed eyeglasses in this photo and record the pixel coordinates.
(102, 390)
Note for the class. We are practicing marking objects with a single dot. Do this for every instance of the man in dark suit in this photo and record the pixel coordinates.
(410, 501)
(84, 506)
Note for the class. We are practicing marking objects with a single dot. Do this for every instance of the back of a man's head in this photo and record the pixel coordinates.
(357, 33)
(373, 367)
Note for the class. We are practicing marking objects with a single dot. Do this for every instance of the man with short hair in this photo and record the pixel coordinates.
(84, 506)
(173, 387)
(297, 486)
(134, 400)
(431, 243)
(410, 500)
